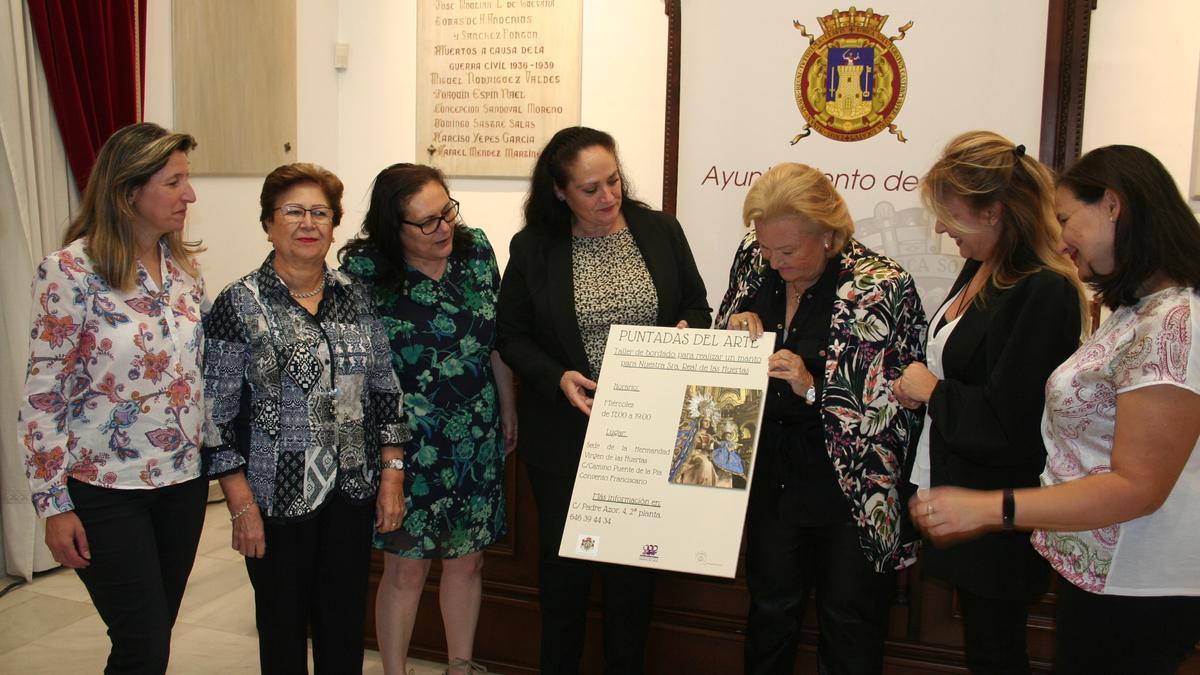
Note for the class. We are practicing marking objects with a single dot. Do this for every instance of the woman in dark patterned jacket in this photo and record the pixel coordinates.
(305, 431)
(825, 506)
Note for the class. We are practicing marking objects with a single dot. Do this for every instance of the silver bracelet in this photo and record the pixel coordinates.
(242, 512)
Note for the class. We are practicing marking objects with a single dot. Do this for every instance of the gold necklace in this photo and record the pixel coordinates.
(794, 293)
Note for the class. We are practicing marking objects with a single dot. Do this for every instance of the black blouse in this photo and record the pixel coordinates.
(792, 449)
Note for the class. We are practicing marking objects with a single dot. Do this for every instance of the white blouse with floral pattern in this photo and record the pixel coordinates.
(1155, 342)
(113, 395)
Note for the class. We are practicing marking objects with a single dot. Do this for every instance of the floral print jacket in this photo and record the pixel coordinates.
(878, 328)
(112, 391)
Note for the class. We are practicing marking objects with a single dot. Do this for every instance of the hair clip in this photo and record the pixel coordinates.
(1019, 151)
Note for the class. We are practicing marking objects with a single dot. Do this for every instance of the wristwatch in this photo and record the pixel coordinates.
(810, 396)
(1008, 511)
(396, 463)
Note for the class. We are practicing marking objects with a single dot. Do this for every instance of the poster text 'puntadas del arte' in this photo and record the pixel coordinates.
(669, 454)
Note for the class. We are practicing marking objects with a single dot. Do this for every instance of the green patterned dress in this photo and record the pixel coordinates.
(442, 335)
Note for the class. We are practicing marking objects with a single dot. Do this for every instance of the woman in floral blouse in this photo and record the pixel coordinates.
(1117, 514)
(112, 411)
(825, 507)
(435, 283)
(305, 431)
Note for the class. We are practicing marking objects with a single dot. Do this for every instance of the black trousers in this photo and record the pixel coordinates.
(143, 544)
(1100, 634)
(314, 575)
(994, 632)
(565, 584)
(784, 562)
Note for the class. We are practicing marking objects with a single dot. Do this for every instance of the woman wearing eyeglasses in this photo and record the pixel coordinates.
(305, 430)
(435, 282)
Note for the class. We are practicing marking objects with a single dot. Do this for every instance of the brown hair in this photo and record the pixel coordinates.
(544, 211)
(984, 168)
(284, 177)
(125, 163)
(1155, 231)
(391, 193)
(791, 189)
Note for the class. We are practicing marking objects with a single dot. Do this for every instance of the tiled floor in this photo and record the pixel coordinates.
(49, 627)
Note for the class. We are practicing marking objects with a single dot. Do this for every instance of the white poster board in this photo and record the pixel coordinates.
(961, 65)
(669, 454)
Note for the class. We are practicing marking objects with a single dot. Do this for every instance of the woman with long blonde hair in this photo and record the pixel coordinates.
(112, 410)
(1116, 516)
(1012, 316)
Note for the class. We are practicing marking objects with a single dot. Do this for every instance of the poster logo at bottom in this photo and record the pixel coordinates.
(587, 545)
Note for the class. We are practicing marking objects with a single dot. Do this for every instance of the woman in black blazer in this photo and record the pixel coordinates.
(1012, 316)
(588, 257)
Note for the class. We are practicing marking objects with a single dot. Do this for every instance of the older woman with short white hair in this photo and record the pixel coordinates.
(825, 508)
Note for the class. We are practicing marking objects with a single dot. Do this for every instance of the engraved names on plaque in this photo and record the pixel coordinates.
(495, 80)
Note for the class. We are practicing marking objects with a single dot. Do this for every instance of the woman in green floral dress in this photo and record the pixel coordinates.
(435, 282)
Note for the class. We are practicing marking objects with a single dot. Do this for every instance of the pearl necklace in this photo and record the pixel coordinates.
(309, 294)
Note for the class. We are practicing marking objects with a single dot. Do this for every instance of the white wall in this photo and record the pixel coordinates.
(1143, 62)
(1141, 90)
(361, 120)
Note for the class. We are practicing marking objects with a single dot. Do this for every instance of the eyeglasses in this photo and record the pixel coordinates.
(294, 213)
(431, 224)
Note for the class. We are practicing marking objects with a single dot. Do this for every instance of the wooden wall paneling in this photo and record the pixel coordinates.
(671, 136)
(235, 83)
(509, 634)
(1068, 29)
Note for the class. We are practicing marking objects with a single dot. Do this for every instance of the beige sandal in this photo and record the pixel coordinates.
(464, 666)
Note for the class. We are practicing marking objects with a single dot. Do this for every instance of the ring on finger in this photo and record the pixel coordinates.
(929, 510)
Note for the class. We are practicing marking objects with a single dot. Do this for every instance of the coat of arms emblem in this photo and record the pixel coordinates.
(851, 81)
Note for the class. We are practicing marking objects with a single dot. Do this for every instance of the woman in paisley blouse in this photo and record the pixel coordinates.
(825, 507)
(305, 430)
(112, 410)
(1117, 514)
(588, 257)
(435, 282)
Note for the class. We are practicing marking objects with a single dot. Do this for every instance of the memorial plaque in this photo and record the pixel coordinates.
(495, 80)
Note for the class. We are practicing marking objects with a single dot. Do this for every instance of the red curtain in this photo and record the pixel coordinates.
(94, 54)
